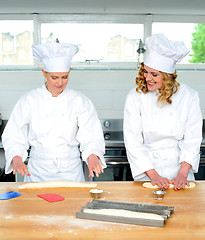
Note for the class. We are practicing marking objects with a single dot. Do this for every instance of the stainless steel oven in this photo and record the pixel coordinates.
(118, 168)
(201, 172)
(4, 177)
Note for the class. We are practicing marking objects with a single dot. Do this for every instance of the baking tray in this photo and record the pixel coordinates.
(164, 211)
(117, 219)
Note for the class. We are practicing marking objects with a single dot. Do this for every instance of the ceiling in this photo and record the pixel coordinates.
(182, 7)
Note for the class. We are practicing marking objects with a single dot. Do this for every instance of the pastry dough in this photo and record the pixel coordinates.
(124, 213)
(58, 184)
(149, 185)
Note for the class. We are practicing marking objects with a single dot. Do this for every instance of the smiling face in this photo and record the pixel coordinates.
(153, 78)
(56, 82)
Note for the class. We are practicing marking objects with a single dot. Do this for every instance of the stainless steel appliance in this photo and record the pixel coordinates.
(0, 120)
(4, 177)
(118, 168)
(201, 172)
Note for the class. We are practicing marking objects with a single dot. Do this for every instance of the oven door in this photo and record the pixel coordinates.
(201, 172)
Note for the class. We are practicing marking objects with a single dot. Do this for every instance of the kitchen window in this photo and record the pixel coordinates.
(192, 34)
(16, 38)
(97, 42)
(104, 41)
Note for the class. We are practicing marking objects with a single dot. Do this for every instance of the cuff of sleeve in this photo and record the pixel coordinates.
(139, 176)
(140, 164)
(8, 167)
(192, 159)
(136, 174)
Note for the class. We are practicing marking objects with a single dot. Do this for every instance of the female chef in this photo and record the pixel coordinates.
(162, 119)
(60, 125)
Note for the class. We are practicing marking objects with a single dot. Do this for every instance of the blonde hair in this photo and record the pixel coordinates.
(169, 86)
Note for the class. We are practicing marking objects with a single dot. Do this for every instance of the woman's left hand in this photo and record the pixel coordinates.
(180, 181)
(94, 165)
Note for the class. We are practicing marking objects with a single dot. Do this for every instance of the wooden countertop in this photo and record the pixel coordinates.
(30, 217)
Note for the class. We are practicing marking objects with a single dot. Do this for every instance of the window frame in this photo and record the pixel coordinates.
(16, 17)
(94, 18)
(146, 20)
(183, 19)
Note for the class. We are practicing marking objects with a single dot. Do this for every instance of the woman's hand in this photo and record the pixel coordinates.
(156, 179)
(19, 166)
(180, 181)
(94, 165)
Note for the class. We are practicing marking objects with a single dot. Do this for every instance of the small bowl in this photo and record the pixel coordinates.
(96, 193)
(158, 194)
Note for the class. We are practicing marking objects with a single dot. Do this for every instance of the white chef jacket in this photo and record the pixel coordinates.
(161, 138)
(57, 129)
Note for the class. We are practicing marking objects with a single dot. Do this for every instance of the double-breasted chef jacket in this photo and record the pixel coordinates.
(60, 131)
(161, 138)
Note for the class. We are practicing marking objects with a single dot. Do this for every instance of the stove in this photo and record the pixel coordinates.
(118, 168)
(201, 172)
(115, 152)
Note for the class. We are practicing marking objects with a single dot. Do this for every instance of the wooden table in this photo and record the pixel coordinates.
(30, 217)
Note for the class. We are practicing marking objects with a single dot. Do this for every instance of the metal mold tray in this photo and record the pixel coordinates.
(164, 211)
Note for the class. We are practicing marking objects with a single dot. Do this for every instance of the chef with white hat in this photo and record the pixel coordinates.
(162, 119)
(60, 125)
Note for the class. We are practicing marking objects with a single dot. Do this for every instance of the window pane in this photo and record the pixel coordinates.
(104, 42)
(16, 38)
(191, 34)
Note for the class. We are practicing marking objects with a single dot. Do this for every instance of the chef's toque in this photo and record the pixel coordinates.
(56, 57)
(162, 54)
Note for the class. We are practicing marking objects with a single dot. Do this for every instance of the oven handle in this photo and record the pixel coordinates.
(115, 157)
(202, 161)
(116, 160)
(117, 163)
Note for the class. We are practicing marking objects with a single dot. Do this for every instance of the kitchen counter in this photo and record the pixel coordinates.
(30, 217)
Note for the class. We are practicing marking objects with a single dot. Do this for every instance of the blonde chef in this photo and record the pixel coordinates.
(59, 124)
(162, 119)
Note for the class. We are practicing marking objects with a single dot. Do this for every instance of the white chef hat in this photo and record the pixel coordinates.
(162, 54)
(56, 57)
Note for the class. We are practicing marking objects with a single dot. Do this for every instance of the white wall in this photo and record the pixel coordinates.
(106, 88)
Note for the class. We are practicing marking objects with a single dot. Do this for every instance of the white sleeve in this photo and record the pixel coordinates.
(137, 153)
(190, 144)
(14, 137)
(90, 134)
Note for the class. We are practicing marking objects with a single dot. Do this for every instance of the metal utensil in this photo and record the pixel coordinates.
(96, 193)
(158, 194)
